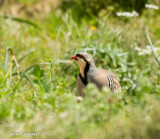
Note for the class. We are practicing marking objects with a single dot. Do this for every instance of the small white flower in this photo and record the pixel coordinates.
(147, 50)
(128, 14)
(151, 6)
(69, 34)
(79, 99)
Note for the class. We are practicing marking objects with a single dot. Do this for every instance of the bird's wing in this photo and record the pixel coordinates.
(113, 84)
(106, 78)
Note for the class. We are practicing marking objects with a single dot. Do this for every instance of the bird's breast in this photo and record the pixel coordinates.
(92, 78)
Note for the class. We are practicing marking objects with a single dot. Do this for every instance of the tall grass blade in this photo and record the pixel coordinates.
(28, 80)
(21, 21)
(27, 53)
(26, 70)
(6, 61)
(152, 47)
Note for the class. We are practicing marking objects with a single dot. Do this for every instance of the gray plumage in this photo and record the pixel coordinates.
(89, 73)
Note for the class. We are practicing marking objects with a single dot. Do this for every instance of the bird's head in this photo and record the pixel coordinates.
(83, 59)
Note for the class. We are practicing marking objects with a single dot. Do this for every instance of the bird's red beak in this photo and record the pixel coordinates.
(74, 57)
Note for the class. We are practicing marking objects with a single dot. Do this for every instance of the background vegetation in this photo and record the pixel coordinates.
(37, 77)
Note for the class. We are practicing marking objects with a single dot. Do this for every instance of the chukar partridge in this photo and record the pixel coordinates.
(89, 73)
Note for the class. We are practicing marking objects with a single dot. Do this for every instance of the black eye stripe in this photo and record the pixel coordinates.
(80, 56)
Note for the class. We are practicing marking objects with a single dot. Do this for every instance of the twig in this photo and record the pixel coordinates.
(15, 61)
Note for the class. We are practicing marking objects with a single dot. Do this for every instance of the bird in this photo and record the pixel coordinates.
(89, 73)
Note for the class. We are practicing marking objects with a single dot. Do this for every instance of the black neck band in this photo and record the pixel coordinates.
(84, 79)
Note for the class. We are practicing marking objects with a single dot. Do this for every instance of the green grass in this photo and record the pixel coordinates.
(41, 97)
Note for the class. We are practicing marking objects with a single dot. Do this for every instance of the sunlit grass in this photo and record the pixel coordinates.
(37, 79)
